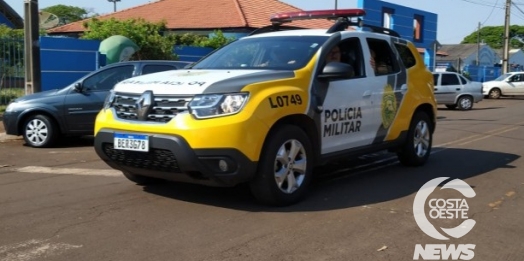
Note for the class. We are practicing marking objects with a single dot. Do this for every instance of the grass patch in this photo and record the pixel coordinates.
(9, 94)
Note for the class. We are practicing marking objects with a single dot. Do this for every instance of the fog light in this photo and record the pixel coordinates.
(222, 165)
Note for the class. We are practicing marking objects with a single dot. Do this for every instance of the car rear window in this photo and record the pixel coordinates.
(405, 55)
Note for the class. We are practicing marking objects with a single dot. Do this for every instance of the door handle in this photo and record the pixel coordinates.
(436, 89)
(366, 94)
(458, 89)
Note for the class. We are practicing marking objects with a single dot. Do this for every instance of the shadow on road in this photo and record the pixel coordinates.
(382, 182)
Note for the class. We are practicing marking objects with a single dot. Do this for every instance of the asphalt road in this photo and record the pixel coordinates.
(65, 204)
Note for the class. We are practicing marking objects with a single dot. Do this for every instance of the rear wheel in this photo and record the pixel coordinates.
(40, 131)
(465, 103)
(285, 167)
(494, 93)
(417, 147)
(139, 179)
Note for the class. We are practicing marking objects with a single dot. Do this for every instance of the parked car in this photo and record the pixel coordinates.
(456, 91)
(45, 116)
(508, 84)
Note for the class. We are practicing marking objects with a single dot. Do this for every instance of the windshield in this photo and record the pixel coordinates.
(502, 77)
(279, 53)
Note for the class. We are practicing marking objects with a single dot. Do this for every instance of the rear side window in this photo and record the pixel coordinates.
(405, 55)
(449, 79)
(462, 79)
(385, 59)
(153, 68)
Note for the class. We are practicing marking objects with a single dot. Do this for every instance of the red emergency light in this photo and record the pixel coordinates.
(319, 14)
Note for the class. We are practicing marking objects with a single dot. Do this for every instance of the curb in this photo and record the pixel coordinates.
(5, 137)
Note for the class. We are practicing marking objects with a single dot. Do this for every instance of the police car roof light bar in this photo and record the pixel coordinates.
(287, 17)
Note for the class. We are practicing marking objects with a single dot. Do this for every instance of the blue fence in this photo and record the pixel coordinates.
(65, 60)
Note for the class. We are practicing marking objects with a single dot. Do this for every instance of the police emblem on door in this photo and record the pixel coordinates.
(388, 106)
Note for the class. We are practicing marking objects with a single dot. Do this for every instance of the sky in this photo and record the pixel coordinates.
(456, 18)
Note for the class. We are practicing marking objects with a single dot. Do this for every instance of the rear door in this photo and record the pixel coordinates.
(448, 88)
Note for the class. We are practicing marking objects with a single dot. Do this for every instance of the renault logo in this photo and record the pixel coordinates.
(144, 105)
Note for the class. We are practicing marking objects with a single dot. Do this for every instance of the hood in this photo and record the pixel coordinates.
(191, 82)
(38, 95)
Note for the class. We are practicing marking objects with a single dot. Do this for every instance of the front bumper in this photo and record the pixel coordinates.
(10, 123)
(171, 158)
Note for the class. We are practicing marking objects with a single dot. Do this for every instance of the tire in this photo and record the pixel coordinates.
(494, 93)
(451, 106)
(40, 131)
(139, 179)
(284, 179)
(417, 147)
(465, 103)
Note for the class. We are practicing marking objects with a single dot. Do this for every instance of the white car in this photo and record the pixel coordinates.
(455, 91)
(508, 84)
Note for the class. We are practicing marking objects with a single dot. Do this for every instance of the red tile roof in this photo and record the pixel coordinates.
(204, 14)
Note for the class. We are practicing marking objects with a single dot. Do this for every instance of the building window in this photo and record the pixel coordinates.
(387, 18)
(418, 28)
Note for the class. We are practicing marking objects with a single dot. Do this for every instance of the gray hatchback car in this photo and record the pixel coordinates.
(455, 91)
(71, 111)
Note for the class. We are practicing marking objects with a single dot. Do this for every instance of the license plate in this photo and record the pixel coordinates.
(134, 142)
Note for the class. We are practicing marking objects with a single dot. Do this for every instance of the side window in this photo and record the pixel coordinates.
(449, 79)
(435, 79)
(153, 68)
(463, 80)
(385, 60)
(106, 79)
(405, 55)
(351, 53)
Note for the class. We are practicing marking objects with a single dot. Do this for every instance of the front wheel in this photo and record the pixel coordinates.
(40, 131)
(285, 167)
(417, 147)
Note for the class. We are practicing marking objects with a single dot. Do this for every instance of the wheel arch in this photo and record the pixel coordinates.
(430, 111)
(306, 124)
(24, 116)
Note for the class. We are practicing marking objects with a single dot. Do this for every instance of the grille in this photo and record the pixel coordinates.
(164, 107)
(157, 159)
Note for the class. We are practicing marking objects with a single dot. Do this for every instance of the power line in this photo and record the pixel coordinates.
(490, 13)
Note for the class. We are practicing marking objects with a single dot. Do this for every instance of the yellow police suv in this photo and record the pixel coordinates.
(269, 107)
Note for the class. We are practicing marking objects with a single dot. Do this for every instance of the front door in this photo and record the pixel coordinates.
(82, 107)
(347, 120)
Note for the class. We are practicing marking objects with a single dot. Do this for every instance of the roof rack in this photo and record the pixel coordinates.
(343, 19)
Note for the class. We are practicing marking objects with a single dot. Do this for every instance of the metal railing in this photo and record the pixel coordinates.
(11, 69)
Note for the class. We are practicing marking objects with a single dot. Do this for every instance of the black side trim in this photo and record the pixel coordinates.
(355, 152)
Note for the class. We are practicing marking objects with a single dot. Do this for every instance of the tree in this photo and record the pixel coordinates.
(494, 36)
(148, 36)
(69, 14)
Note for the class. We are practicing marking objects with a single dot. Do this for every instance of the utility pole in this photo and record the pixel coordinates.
(114, 4)
(32, 47)
(478, 46)
(336, 4)
(506, 38)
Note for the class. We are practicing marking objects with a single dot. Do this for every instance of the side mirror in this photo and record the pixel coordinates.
(337, 70)
(78, 87)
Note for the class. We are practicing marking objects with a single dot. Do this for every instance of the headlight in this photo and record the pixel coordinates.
(109, 100)
(10, 107)
(214, 105)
